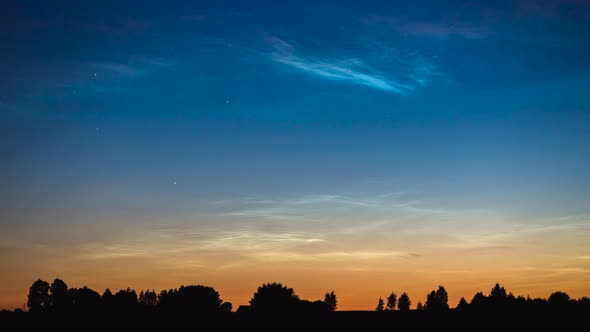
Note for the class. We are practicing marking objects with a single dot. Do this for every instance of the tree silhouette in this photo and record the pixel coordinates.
(478, 301)
(330, 300)
(583, 304)
(107, 299)
(38, 299)
(498, 297)
(419, 306)
(84, 299)
(194, 298)
(163, 299)
(404, 302)
(148, 298)
(125, 299)
(60, 299)
(226, 307)
(462, 304)
(559, 300)
(380, 305)
(437, 301)
(274, 297)
(391, 301)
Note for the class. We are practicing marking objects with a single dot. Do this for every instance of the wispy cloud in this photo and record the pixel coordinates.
(353, 70)
(349, 256)
(103, 76)
(441, 30)
(264, 213)
(114, 26)
(505, 236)
(168, 242)
(318, 206)
(111, 67)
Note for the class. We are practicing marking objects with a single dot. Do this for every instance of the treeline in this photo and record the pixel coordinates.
(497, 300)
(274, 297)
(57, 297)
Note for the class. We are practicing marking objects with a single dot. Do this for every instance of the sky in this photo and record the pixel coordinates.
(357, 146)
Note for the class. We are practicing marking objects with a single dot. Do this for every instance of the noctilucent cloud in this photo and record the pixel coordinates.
(354, 146)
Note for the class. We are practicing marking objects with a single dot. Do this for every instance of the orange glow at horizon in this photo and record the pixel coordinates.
(235, 264)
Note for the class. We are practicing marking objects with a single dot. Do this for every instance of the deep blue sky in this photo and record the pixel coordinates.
(481, 104)
(141, 113)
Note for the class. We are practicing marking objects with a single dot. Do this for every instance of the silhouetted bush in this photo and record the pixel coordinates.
(125, 299)
(330, 300)
(380, 305)
(107, 300)
(148, 298)
(404, 302)
(391, 301)
(195, 298)
(85, 299)
(226, 307)
(60, 298)
(38, 299)
(462, 304)
(559, 301)
(274, 297)
(437, 301)
(419, 306)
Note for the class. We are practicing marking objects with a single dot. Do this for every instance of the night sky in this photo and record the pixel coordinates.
(355, 146)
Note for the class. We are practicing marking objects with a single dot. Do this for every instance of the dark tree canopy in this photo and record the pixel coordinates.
(404, 302)
(478, 299)
(60, 298)
(226, 307)
(125, 299)
(380, 305)
(559, 300)
(274, 297)
(498, 292)
(330, 300)
(85, 299)
(437, 300)
(391, 301)
(462, 304)
(498, 296)
(38, 299)
(107, 299)
(148, 298)
(193, 298)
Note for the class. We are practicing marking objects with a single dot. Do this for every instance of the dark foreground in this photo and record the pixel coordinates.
(334, 321)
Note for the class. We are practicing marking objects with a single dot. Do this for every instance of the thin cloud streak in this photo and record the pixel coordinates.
(440, 30)
(170, 241)
(351, 70)
(317, 207)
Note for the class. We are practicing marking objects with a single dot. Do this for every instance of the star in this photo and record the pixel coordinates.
(227, 101)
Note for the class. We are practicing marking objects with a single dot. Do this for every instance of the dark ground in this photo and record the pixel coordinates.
(336, 321)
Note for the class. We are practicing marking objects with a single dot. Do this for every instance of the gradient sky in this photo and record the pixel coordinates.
(362, 147)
